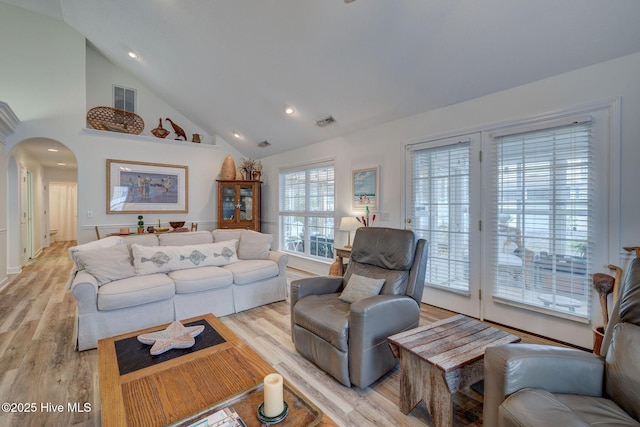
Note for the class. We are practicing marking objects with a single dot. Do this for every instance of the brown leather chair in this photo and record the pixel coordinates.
(349, 340)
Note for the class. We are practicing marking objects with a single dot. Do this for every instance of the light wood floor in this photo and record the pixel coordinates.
(39, 369)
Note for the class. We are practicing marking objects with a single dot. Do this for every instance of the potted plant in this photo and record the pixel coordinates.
(140, 224)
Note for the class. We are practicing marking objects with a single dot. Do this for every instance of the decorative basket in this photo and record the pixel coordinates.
(115, 120)
(228, 171)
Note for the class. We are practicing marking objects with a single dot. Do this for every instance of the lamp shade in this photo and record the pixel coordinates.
(349, 223)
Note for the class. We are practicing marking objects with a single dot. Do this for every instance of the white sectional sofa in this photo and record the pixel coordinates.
(122, 284)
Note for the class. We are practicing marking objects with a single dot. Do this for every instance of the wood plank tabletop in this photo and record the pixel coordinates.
(450, 343)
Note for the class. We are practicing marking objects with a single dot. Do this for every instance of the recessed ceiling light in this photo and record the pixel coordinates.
(289, 110)
(52, 149)
(62, 164)
(236, 135)
(133, 54)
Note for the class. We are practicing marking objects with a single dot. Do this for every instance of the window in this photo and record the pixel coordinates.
(544, 200)
(307, 211)
(124, 99)
(440, 211)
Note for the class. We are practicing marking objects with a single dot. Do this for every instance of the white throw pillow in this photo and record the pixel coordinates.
(360, 287)
(107, 264)
(254, 245)
(162, 259)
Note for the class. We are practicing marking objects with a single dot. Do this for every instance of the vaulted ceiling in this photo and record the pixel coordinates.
(233, 65)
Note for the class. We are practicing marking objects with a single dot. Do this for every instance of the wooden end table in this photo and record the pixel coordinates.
(342, 253)
(438, 359)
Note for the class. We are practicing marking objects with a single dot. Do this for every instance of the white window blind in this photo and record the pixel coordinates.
(307, 204)
(124, 98)
(439, 205)
(542, 230)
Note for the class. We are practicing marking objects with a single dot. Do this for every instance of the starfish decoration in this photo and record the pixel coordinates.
(175, 336)
(239, 206)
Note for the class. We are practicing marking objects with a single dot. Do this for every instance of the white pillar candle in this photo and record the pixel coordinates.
(273, 395)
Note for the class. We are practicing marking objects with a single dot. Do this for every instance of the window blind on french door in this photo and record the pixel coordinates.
(439, 210)
(541, 219)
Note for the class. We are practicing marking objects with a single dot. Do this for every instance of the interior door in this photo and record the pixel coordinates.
(24, 238)
(30, 207)
(443, 206)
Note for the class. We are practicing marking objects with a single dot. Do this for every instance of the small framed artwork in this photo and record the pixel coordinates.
(365, 188)
(146, 187)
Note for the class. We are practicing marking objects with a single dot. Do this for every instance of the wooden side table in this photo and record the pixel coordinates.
(438, 359)
(341, 254)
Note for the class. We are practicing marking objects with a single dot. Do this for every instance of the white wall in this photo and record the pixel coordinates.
(47, 90)
(102, 75)
(384, 145)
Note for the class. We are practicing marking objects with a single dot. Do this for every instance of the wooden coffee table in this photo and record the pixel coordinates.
(134, 393)
(438, 359)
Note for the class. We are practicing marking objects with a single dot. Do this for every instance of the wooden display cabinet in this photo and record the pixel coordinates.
(239, 204)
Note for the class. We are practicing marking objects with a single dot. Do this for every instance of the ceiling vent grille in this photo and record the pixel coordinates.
(325, 121)
(264, 144)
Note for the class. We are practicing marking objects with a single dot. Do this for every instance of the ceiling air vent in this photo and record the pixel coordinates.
(264, 144)
(325, 121)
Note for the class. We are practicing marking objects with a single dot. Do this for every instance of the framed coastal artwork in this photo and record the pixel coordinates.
(140, 187)
(365, 188)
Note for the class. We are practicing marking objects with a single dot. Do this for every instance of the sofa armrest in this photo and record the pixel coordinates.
(85, 290)
(512, 367)
(281, 259)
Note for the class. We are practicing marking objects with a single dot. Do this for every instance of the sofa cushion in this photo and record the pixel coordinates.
(538, 408)
(141, 239)
(596, 411)
(220, 235)
(162, 259)
(185, 238)
(201, 279)
(107, 264)
(96, 244)
(249, 271)
(360, 287)
(254, 245)
(622, 368)
(134, 291)
(326, 316)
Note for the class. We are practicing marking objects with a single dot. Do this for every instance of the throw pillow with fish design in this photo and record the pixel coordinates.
(162, 259)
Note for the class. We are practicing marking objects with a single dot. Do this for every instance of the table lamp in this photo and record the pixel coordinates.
(349, 224)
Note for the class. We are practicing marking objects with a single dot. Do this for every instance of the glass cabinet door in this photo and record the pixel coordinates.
(246, 203)
(228, 203)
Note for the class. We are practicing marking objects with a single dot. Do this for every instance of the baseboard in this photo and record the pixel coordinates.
(14, 270)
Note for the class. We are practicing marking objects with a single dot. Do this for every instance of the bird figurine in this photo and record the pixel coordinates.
(177, 129)
(160, 132)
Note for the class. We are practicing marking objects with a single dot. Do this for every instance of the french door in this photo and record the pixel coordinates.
(443, 207)
(518, 219)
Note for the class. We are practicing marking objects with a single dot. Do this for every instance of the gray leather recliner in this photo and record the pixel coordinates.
(349, 341)
(537, 385)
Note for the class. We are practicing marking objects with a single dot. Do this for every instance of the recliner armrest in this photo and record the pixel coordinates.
(372, 320)
(314, 286)
(512, 367)
(375, 318)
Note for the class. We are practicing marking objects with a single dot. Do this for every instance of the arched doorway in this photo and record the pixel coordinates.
(32, 165)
